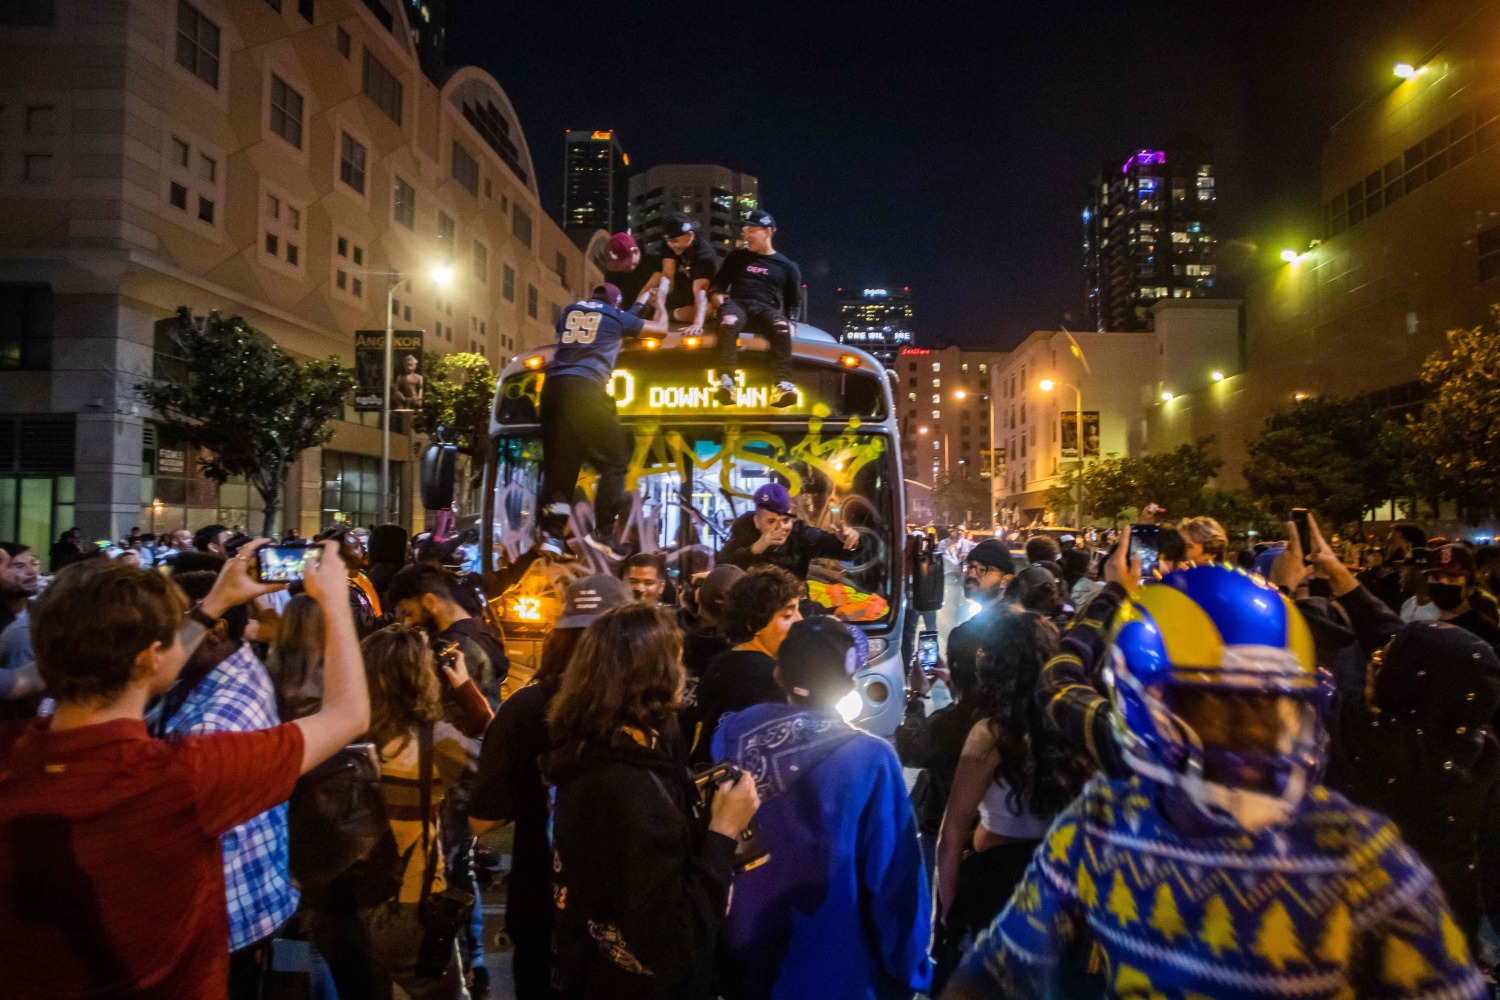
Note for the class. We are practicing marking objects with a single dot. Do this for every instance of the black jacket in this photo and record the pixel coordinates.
(484, 654)
(734, 680)
(933, 743)
(804, 544)
(1425, 759)
(640, 887)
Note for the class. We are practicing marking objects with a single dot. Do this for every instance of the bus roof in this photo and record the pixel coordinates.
(811, 343)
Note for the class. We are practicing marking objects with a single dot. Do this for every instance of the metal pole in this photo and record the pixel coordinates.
(1078, 429)
(384, 506)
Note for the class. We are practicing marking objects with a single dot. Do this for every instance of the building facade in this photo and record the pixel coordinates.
(943, 402)
(715, 198)
(1409, 246)
(1119, 382)
(1149, 234)
(878, 321)
(275, 164)
(594, 165)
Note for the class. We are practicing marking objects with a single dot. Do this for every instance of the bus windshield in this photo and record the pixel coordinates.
(689, 482)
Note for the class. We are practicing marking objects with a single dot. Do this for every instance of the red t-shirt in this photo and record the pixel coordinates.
(111, 878)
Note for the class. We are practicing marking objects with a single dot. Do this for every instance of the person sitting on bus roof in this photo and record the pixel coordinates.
(688, 264)
(757, 290)
(578, 417)
(772, 535)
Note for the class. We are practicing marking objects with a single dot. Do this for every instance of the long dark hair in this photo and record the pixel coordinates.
(1041, 770)
(557, 653)
(626, 671)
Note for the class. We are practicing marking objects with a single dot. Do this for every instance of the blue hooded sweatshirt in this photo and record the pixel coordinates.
(841, 909)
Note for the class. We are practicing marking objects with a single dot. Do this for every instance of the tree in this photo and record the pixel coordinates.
(1459, 429)
(459, 393)
(1237, 511)
(1108, 490)
(247, 402)
(957, 499)
(1176, 479)
(1341, 457)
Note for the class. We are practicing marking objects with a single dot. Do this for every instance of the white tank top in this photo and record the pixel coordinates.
(996, 816)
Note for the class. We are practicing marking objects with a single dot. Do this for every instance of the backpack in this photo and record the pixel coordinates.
(338, 832)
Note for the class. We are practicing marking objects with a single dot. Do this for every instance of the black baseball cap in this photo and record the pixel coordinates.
(759, 217)
(991, 553)
(818, 659)
(676, 225)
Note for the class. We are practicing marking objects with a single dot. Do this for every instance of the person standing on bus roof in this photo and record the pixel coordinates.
(757, 290)
(771, 534)
(579, 423)
(688, 266)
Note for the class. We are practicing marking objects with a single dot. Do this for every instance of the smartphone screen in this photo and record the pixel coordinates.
(1299, 518)
(281, 563)
(927, 650)
(1144, 545)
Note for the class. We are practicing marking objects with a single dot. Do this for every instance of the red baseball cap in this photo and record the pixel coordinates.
(621, 246)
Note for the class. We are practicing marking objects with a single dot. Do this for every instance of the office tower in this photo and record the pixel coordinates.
(594, 181)
(1149, 234)
(876, 320)
(429, 35)
(714, 197)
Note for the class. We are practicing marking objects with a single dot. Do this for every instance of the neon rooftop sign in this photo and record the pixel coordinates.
(1145, 158)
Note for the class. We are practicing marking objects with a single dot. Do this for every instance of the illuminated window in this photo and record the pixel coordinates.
(937, 414)
(911, 397)
(937, 366)
(936, 398)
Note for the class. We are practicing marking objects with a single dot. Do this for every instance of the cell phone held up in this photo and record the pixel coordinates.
(282, 563)
(748, 852)
(927, 650)
(1145, 545)
(1298, 517)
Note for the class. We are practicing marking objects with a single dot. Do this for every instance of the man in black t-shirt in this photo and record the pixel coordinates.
(757, 290)
(688, 265)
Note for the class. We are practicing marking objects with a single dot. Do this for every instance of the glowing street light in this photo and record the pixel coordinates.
(1406, 70)
(442, 275)
(921, 430)
(1166, 396)
(1046, 385)
(1218, 376)
(1290, 256)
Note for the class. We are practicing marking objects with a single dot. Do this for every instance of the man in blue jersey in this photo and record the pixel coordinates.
(579, 423)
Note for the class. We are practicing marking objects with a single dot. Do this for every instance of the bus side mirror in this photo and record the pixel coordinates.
(437, 476)
(926, 575)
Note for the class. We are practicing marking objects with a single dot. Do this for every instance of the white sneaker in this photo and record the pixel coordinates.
(783, 394)
(725, 391)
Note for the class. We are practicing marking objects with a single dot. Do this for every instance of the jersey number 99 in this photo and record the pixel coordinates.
(582, 327)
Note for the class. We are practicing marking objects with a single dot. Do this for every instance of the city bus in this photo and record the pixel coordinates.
(695, 465)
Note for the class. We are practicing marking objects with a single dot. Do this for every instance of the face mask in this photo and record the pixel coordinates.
(1446, 596)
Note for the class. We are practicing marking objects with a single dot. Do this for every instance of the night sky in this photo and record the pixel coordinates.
(908, 145)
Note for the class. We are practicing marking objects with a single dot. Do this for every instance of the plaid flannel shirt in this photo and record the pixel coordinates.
(237, 696)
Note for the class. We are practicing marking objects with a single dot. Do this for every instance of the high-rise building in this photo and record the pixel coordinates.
(292, 164)
(594, 180)
(716, 198)
(876, 320)
(429, 34)
(943, 405)
(1149, 234)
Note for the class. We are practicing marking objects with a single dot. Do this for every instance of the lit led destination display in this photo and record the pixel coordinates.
(635, 393)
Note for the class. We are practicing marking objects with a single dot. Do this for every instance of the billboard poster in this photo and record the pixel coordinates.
(1069, 436)
(407, 379)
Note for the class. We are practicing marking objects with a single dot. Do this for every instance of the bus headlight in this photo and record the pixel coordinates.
(850, 705)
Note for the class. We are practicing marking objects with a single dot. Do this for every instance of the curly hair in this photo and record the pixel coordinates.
(625, 672)
(404, 689)
(755, 598)
(1041, 769)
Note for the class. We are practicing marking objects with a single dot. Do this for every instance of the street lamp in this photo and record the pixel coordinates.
(442, 275)
(1047, 385)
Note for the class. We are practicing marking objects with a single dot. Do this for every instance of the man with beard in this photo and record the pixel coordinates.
(1449, 577)
(422, 596)
(988, 571)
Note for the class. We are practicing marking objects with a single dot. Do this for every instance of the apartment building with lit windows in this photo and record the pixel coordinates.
(715, 198)
(877, 321)
(1150, 233)
(272, 160)
(943, 403)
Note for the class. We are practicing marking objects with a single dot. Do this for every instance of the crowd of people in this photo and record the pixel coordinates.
(1205, 779)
